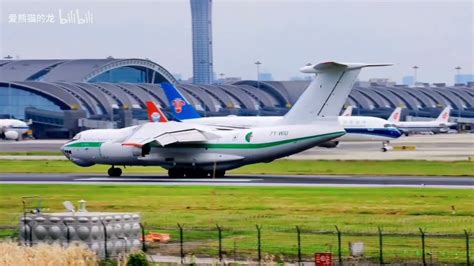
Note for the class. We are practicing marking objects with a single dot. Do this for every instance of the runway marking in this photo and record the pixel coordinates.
(236, 184)
(167, 180)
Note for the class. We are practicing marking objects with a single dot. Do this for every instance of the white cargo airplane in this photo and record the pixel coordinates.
(358, 128)
(13, 129)
(194, 150)
(439, 125)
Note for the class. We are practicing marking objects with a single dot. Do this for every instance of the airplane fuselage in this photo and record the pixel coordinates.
(423, 126)
(232, 149)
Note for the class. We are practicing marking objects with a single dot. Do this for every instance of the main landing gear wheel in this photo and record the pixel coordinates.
(220, 173)
(175, 173)
(114, 172)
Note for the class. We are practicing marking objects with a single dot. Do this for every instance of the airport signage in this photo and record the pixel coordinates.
(323, 259)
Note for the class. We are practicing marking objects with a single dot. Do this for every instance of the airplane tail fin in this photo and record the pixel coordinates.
(154, 113)
(348, 111)
(395, 116)
(180, 107)
(327, 93)
(444, 115)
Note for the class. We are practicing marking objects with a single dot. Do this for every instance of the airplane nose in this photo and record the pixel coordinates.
(64, 151)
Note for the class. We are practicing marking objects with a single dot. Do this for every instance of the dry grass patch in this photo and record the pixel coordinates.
(49, 255)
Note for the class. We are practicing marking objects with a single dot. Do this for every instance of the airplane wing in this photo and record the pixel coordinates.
(168, 133)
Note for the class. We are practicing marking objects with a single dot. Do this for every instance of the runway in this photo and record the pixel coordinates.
(245, 180)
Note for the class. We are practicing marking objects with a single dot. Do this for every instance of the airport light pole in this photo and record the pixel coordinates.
(415, 72)
(458, 72)
(222, 77)
(258, 63)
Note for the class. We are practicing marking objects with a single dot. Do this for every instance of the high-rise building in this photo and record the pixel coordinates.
(201, 13)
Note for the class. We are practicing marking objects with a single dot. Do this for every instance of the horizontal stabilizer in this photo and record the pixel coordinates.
(333, 65)
(327, 93)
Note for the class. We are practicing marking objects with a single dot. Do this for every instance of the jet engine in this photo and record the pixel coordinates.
(11, 134)
(117, 150)
(329, 144)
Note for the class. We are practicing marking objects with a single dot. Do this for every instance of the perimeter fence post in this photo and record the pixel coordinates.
(181, 249)
(105, 240)
(380, 246)
(468, 259)
(219, 230)
(423, 246)
(143, 237)
(259, 243)
(68, 234)
(298, 233)
(339, 250)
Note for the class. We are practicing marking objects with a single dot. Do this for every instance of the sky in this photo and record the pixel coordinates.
(437, 36)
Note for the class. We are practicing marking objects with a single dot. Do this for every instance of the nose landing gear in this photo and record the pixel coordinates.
(386, 146)
(114, 172)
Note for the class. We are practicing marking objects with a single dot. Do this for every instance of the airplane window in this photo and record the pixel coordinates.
(77, 136)
(389, 125)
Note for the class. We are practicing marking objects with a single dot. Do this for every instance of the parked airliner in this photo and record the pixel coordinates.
(439, 125)
(13, 129)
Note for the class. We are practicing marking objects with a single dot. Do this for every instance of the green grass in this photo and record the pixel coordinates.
(397, 167)
(396, 209)
(278, 210)
(27, 153)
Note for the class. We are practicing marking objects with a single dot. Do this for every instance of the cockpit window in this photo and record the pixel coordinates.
(77, 136)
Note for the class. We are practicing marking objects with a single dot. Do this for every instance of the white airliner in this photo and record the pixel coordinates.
(12, 129)
(358, 128)
(439, 125)
(195, 150)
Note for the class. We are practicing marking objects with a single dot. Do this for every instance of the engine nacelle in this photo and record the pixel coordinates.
(117, 150)
(11, 134)
(329, 144)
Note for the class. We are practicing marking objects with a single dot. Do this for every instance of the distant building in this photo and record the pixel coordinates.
(229, 80)
(178, 76)
(265, 77)
(408, 80)
(201, 12)
(464, 78)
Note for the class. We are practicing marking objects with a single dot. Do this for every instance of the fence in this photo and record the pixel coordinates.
(299, 245)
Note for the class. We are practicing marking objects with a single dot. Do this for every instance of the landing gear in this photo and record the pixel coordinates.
(386, 146)
(114, 172)
(220, 173)
(175, 173)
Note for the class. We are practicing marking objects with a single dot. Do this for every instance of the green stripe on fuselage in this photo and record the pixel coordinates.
(85, 144)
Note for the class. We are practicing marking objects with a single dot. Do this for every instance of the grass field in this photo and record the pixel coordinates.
(397, 167)
(396, 209)
(278, 210)
(26, 153)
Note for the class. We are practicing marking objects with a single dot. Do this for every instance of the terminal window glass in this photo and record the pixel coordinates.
(13, 102)
(123, 74)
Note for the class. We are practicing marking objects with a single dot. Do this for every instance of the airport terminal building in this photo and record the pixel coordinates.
(63, 97)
